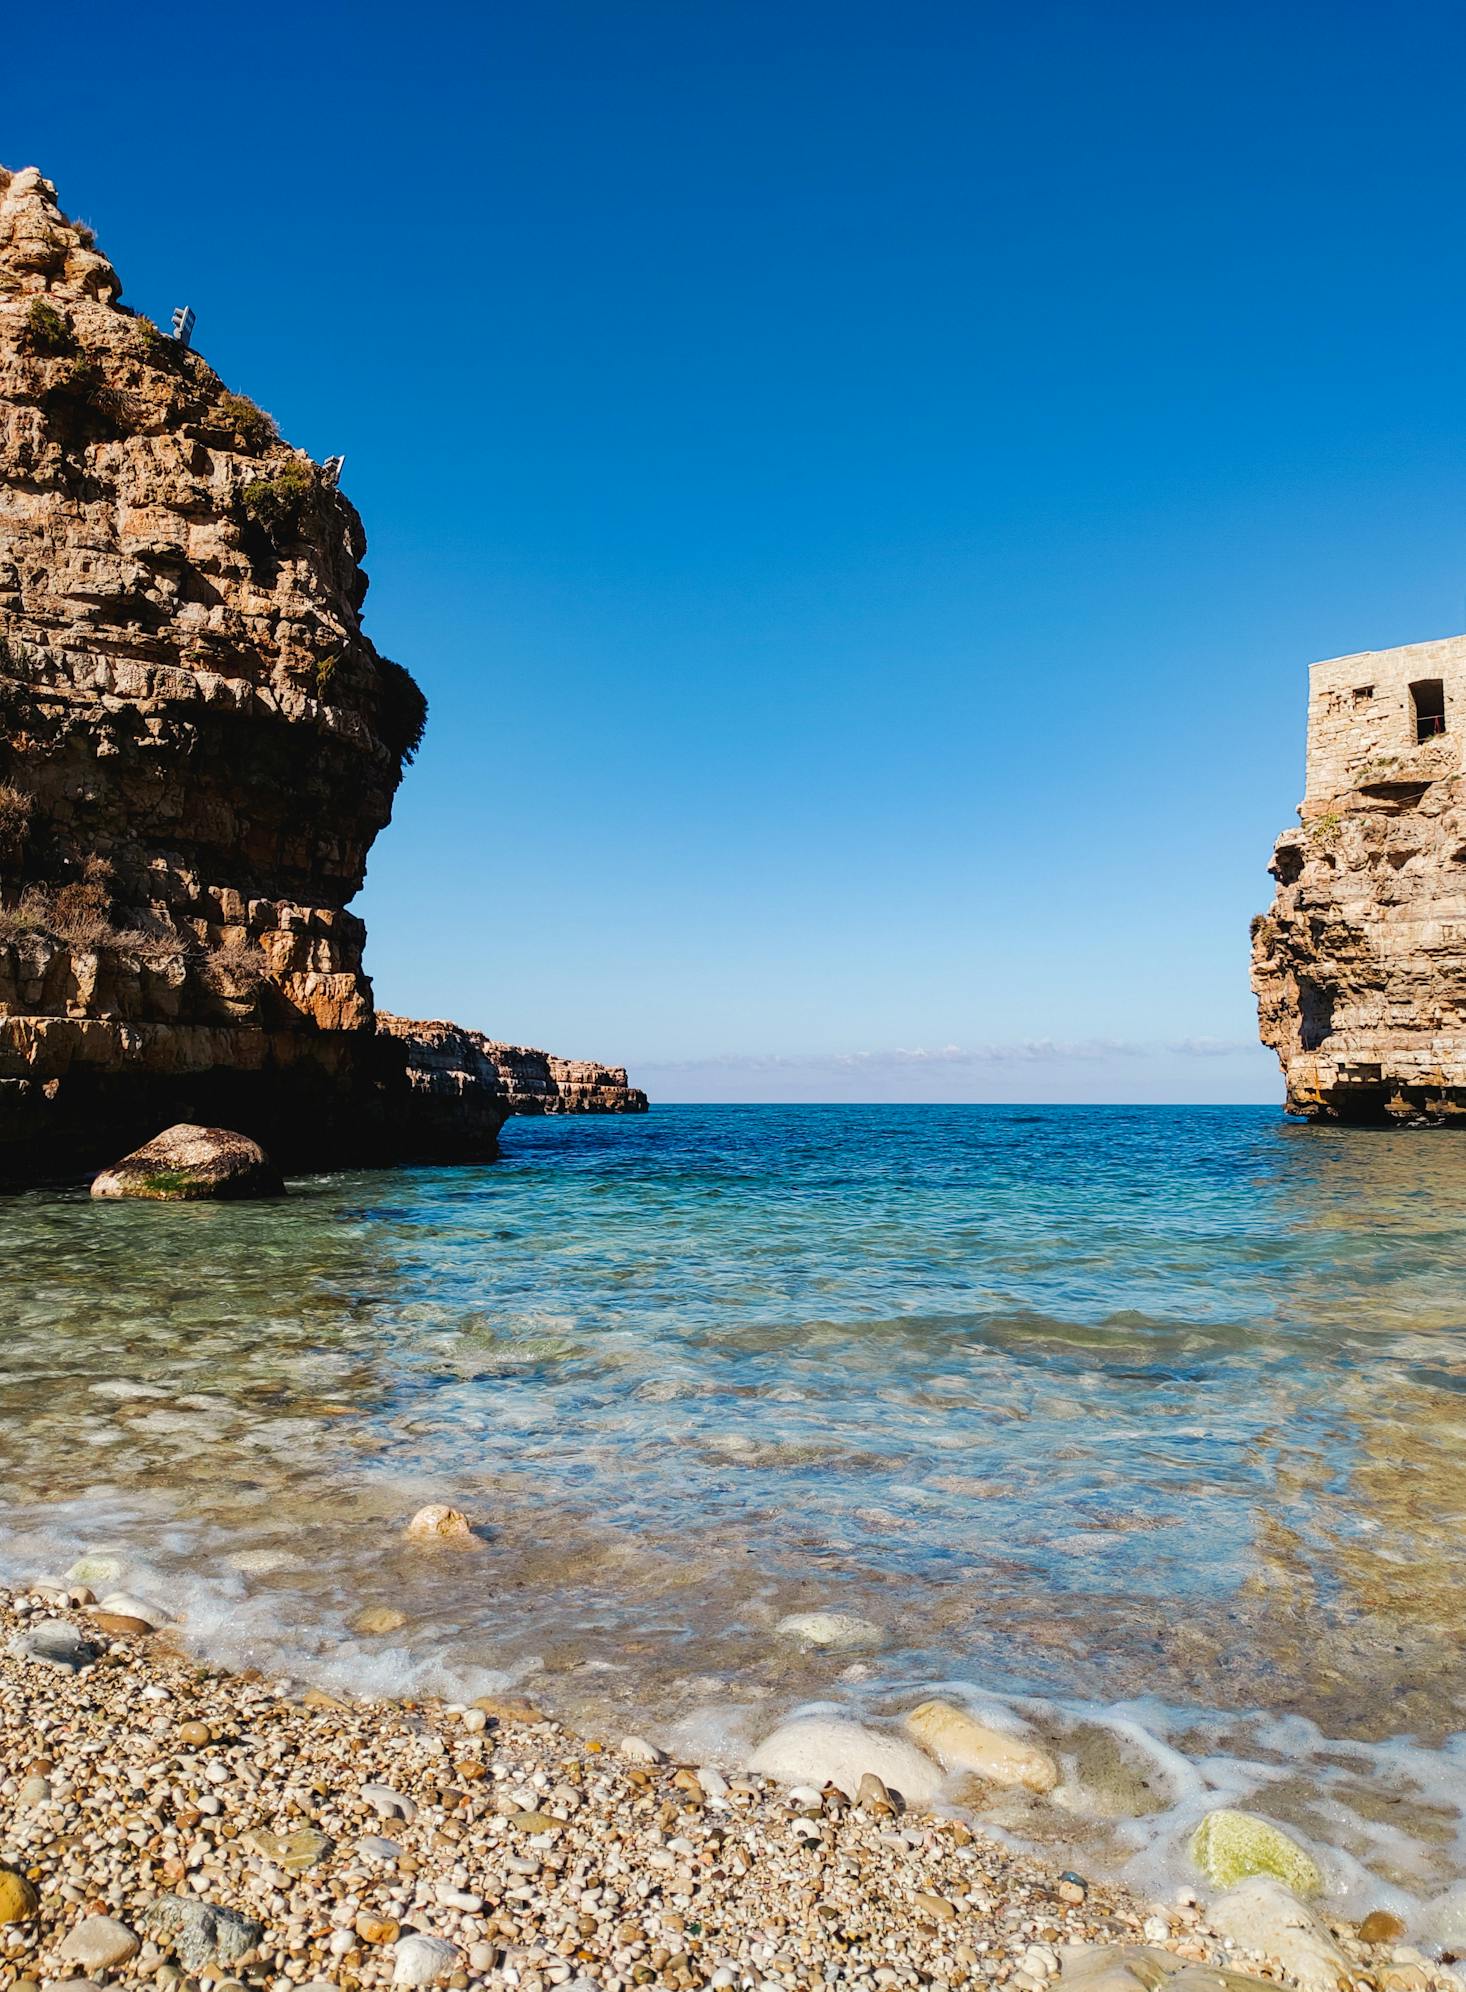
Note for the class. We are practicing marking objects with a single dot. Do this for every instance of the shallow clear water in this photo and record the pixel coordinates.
(1149, 1423)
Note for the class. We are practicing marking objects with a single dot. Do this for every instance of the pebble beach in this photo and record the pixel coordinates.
(164, 1821)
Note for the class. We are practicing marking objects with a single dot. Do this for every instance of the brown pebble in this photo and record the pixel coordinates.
(936, 1908)
(121, 1625)
(377, 1929)
(194, 1734)
(318, 1698)
(505, 1708)
(1380, 1927)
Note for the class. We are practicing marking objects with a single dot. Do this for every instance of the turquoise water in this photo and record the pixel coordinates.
(1149, 1425)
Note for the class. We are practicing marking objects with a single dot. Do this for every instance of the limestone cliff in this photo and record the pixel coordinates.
(1360, 966)
(198, 744)
(457, 1074)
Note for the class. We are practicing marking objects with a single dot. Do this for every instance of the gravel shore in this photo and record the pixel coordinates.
(162, 1821)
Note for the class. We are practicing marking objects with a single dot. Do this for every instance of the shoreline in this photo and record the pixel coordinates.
(358, 1844)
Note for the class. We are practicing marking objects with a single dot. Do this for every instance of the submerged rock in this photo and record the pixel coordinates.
(437, 1523)
(837, 1632)
(1119, 1776)
(821, 1750)
(1230, 1846)
(186, 1163)
(962, 1743)
(374, 1620)
(100, 1566)
(1444, 1920)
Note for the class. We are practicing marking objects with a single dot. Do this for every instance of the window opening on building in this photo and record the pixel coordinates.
(1428, 698)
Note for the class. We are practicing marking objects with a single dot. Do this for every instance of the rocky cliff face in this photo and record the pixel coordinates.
(457, 1075)
(1360, 965)
(198, 744)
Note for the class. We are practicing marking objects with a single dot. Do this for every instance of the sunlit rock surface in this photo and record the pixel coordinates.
(1360, 965)
(198, 744)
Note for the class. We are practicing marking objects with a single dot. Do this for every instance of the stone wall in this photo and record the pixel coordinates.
(1361, 728)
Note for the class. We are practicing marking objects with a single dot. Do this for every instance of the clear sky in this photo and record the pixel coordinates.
(860, 485)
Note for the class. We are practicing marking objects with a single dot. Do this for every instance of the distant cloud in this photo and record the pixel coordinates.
(1057, 1070)
(898, 1058)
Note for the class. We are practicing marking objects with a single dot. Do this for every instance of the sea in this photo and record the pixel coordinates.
(1141, 1428)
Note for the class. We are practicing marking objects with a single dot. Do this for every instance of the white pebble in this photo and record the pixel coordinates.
(637, 1750)
(457, 1898)
(420, 1960)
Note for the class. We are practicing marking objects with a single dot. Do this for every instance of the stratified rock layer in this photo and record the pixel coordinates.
(198, 744)
(458, 1075)
(1360, 965)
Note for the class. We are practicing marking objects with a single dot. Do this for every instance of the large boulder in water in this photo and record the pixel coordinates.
(186, 1163)
(958, 1740)
(1231, 1846)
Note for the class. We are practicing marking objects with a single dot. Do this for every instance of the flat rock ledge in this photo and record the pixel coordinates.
(269, 1834)
(185, 1164)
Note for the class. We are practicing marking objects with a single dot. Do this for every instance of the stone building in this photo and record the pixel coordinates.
(1360, 965)
(1385, 718)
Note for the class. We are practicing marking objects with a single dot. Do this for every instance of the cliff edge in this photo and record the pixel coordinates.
(198, 744)
(1360, 965)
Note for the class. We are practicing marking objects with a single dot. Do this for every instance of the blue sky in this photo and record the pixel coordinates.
(860, 485)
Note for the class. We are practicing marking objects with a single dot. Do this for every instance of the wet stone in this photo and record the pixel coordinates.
(54, 1643)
